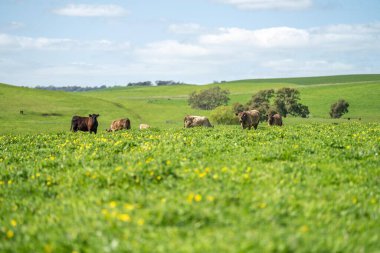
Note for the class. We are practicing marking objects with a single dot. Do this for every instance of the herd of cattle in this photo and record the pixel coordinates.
(247, 119)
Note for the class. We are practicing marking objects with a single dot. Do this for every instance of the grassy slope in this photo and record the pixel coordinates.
(165, 106)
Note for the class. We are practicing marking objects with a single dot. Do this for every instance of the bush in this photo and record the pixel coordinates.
(339, 108)
(224, 115)
(209, 99)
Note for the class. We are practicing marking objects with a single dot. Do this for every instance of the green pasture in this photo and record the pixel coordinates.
(300, 188)
(166, 106)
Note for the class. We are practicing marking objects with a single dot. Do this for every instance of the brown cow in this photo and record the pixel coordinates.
(275, 120)
(193, 121)
(249, 118)
(85, 124)
(119, 124)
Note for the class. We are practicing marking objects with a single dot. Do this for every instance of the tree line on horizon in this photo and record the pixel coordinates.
(77, 88)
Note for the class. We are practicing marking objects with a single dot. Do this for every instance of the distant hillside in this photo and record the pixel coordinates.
(319, 79)
(165, 106)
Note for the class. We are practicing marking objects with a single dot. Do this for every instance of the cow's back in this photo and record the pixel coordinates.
(194, 121)
(120, 124)
(275, 120)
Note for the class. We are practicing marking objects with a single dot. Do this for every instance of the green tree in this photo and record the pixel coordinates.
(209, 99)
(287, 102)
(339, 108)
(261, 102)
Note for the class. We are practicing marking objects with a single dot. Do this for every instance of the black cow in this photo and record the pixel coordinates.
(85, 124)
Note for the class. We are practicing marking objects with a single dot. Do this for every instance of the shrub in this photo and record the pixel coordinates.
(224, 115)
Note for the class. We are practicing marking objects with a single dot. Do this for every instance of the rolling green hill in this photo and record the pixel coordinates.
(165, 106)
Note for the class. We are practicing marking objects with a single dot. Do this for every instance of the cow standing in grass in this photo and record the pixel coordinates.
(144, 126)
(85, 124)
(274, 120)
(119, 124)
(193, 121)
(249, 118)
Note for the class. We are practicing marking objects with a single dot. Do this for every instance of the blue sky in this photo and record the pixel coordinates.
(98, 42)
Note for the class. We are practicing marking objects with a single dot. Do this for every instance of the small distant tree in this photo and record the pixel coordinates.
(209, 99)
(339, 108)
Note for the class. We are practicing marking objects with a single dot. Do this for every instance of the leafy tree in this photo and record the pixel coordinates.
(339, 108)
(237, 107)
(261, 102)
(209, 99)
(286, 102)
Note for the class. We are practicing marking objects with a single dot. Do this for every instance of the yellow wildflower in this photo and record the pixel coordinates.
(113, 204)
(13, 223)
(262, 205)
(124, 217)
(304, 229)
(140, 222)
(129, 206)
(198, 198)
(10, 234)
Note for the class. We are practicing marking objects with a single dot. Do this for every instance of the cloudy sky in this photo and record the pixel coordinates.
(99, 42)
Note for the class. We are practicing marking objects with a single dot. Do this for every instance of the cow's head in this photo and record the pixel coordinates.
(93, 116)
(188, 121)
(243, 116)
(270, 119)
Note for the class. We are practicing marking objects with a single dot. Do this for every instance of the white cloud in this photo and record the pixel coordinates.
(270, 4)
(42, 43)
(189, 28)
(86, 10)
(170, 49)
(265, 38)
(225, 54)
(337, 37)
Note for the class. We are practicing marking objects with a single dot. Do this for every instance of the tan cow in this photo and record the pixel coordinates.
(193, 121)
(274, 120)
(119, 124)
(249, 118)
(144, 126)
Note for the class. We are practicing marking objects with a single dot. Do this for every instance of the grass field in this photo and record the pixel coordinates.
(309, 186)
(165, 107)
(300, 188)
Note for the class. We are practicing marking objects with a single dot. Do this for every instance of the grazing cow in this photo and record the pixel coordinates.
(85, 124)
(119, 124)
(274, 120)
(249, 118)
(144, 126)
(193, 121)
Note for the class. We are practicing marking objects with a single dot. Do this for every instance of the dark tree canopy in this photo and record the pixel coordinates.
(261, 102)
(287, 102)
(339, 108)
(284, 101)
(209, 99)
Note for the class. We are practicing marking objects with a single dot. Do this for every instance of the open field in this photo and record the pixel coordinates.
(299, 188)
(309, 186)
(165, 107)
